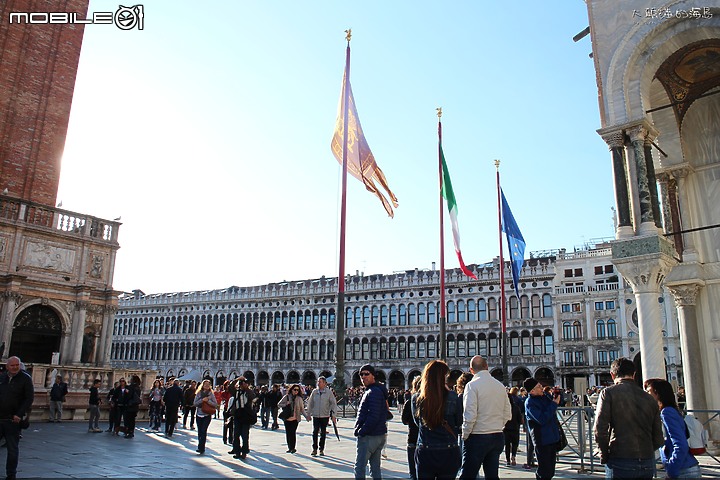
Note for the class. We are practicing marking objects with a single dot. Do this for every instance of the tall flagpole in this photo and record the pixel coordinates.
(503, 313)
(441, 310)
(340, 314)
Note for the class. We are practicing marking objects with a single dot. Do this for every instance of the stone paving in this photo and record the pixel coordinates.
(67, 450)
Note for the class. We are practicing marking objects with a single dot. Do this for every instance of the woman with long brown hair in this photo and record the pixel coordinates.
(436, 413)
(294, 400)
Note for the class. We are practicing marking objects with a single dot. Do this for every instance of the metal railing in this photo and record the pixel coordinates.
(579, 422)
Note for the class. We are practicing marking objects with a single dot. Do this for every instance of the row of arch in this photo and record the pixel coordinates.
(603, 329)
(462, 345)
(395, 379)
(415, 313)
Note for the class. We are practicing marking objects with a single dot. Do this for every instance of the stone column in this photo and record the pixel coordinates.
(685, 299)
(102, 356)
(644, 262)
(7, 316)
(652, 180)
(638, 134)
(616, 143)
(78, 330)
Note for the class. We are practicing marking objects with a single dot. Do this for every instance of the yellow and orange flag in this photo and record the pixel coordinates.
(360, 160)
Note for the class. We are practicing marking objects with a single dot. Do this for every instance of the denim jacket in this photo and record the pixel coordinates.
(439, 437)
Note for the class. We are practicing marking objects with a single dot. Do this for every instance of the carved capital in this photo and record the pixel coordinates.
(637, 134)
(614, 140)
(685, 295)
(110, 309)
(13, 297)
(81, 305)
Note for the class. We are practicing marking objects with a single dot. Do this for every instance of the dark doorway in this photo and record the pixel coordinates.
(36, 334)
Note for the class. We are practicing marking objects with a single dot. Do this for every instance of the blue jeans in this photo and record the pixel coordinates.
(265, 416)
(437, 462)
(369, 448)
(630, 468)
(690, 472)
(203, 422)
(482, 450)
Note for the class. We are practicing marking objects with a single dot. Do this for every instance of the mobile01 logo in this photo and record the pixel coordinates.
(124, 18)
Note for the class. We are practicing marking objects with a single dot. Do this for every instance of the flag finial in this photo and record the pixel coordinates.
(439, 112)
(348, 34)
(497, 164)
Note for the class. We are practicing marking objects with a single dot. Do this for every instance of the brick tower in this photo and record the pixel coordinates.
(38, 65)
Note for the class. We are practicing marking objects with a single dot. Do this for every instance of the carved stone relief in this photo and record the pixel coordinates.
(49, 257)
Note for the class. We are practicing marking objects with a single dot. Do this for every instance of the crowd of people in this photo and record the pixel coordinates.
(455, 429)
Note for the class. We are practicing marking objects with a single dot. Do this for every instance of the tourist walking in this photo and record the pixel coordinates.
(94, 408)
(322, 405)
(436, 413)
(57, 397)
(541, 413)
(485, 413)
(264, 407)
(273, 398)
(627, 429)
(132, 406)
(243, 419)
(407, 419)
(188, 407)
(204, 396)
(16, 398)
(172, 399)
(511, 431)
(675, 453)
(293, 400)
(155, 411)
(371, 424)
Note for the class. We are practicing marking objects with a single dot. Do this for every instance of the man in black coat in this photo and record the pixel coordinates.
(244, 418)
(172, 399)
(16, 398)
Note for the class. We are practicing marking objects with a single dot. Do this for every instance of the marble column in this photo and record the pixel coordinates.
(616, 143)
(652, 180)
(78, 331)
(685, 299)
(10, 303)
(638, 134)
(644, 262)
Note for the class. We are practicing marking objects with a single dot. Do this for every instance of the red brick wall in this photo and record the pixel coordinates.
(38, 65)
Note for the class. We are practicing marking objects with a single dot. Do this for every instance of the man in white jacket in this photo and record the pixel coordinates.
(321, 406)
(486, 410)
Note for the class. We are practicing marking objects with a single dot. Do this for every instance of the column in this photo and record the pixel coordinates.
(102, 356)
(7, 314)
(616, 144)
(78, 330)
(638, 135)
(685, 300)
(685, 221)
(652, 181)
(645, 273)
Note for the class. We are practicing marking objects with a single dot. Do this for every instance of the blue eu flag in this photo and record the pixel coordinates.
(515, 240)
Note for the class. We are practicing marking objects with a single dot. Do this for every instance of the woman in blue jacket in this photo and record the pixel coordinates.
(675, 454)
(540, 411)
(436, 413)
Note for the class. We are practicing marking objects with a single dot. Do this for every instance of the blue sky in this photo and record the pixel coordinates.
(209, 133)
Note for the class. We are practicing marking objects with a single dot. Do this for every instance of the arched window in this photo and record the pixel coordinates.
(461, 311)
(514, 344)
(412, 348)
(432, 317)
(492, 309)
(422, 317)
(291, 321)
(358, 317)
(535, 306)
(600, 329)
(393, 315)
(365, 349)
(383, 316)
(472, 311)
(525, 343)
(308, 319)
(451, 318)
(611, 328)
(567, 331)
(451, 346)
(323, 319)
(513, 307)
(524, 307)
(577, 330)
(461, 346)
(412, 314)
(549, 342)
(482, 310)
(493, 343)
(547, 305)
(431, 347)
(366, 317)
(375, 316)
(422, 347)
(403, 314)
(537, 343)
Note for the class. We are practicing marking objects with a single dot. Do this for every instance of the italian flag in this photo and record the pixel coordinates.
(447, 193)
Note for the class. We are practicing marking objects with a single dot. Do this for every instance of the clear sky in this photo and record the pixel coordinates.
(209, 133)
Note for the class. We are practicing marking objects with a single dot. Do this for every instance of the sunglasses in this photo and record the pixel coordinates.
(365, 374)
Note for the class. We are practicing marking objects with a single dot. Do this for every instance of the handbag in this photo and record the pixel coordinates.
(562, 443)
(207, 409)
(286, 412)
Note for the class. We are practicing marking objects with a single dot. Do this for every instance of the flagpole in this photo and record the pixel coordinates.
(441, 310)
(340, 314)
(503, 313)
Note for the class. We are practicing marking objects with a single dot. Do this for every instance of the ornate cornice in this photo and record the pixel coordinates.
(685, 295)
